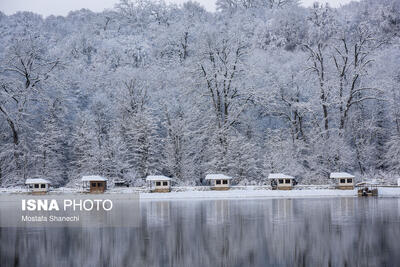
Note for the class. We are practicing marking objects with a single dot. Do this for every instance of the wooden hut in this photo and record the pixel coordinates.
(219, 181)
(281, 181)
(159, 183)
(38, 185)
(344, 180)
(94, 184)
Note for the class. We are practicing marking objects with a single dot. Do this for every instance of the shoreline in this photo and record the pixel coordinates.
(248, 194)
(190, 193)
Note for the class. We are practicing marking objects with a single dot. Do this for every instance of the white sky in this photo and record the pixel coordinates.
(62, 7)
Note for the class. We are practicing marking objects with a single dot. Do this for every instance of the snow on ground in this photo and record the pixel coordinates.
(236, 192)
(389, 191)
(13, 190)
(256, 192)
(259, 192)
(241, 194)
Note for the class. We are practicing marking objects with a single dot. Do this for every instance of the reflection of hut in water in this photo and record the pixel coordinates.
(344, 180)
(38, 185)
(94, 184)
(283, 208)
(281, 181)
(157, 212)
(159, 183)
(218, 211)
(219, 181)
(346, 207)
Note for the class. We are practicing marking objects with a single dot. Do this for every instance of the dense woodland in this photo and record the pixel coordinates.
(259, 86)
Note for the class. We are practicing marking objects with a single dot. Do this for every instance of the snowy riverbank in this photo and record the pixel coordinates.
(252, 193)
(240, 192)
(249, 194)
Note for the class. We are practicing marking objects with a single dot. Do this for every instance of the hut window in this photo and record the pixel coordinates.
(342, 181)
(36, 185)
(158, 183)
(42, 186)
(165, 183)
(99, 185)
(280, 181)
(287, 181)
(349, 181)
(93, 184)
(218, 181)
(225, 181)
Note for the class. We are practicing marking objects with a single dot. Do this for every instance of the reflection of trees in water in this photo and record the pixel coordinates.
(65, 246)
(317, 232)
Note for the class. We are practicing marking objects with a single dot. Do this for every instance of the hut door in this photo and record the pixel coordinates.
(100, 186)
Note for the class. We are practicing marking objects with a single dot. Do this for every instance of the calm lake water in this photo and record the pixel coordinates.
(262, 232)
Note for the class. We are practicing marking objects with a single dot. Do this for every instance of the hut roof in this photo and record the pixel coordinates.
(372, 182)
(336, 175)
(37, 181)
(279, 176)
(217, 177)
(94, 178)
(157, 178)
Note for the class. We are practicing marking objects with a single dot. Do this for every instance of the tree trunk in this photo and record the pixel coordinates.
(12, 126)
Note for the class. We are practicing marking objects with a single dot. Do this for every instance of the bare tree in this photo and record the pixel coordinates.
(220, 68)
(352, 59)
(26, 68)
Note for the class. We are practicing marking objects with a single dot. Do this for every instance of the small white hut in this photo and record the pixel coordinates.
(159, 183)
(281, 181)
(219, 181)
(344, 180)
(94, 183)
(38, 185)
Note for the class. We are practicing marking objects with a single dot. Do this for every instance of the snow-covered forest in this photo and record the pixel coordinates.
(259, 86)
